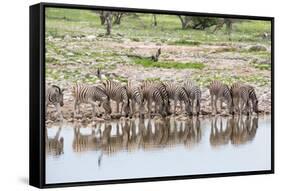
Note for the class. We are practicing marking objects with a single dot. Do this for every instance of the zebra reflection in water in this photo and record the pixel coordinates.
(54, 145)
(235, 131)
(132, 135)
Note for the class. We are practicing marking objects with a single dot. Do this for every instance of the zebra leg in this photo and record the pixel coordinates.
(181, 106)
(117, 106)
(46, 109)
(75, 108)
(58, 108)
(247, 107)
(94, 109)
(216, 108)
(175, 106)
(212, 103)
(242, 105)
(133, 107)
(197, 107)
(149, 107)
(192, 106)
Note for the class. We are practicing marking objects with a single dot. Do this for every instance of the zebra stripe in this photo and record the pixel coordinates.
(220, 91)
(246, 97)
(54, 96)
(162, 88)
(90, 94)
(194, 93)
(118, 93)
(152, 93)
(136, 96)
(178, 93)
(248, 94)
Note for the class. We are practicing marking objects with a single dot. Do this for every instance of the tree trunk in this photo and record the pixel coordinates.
(154, 20)
(117, 18)
(102, 18)
(184, 21)
(108, 21)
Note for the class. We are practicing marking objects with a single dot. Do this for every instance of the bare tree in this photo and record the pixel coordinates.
(154, 20)
(224, 21)
(117, 17)
(184, 21)
(108, 21)
(102, 17)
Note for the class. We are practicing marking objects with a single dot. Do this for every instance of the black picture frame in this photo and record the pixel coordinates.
(37, 95)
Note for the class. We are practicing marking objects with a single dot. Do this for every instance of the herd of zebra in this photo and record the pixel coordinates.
(139, 97)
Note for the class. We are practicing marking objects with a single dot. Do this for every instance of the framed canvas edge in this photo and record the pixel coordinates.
(41, 153)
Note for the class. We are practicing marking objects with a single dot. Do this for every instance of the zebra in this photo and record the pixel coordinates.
(136, 96)
(194, 93)
(236, 95)
(54, 145)
(244, 96)
(147, 84)
(152, 93)
(178, 93)
(54, 96)
(118, 93)
(220, 91)
(91, 94)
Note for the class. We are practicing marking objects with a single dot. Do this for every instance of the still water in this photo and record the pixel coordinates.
(152, 148)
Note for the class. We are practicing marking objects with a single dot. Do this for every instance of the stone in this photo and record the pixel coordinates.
(91, 37)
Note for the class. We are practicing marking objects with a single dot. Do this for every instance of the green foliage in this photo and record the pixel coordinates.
(165, 64)
(203, 22)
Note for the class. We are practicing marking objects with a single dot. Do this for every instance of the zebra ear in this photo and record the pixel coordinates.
(63, 89)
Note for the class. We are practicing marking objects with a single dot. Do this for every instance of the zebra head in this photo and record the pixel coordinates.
(58, 94)
(227, 94)
(255, 104)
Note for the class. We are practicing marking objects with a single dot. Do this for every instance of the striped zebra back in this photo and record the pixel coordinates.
(116, 91)
(84, 93)
(249, 94)
(219, 89)
(192, 90)
(176, 91)
(134, 92)
(236, 89)
(171, 89)
(54, 95)
(157, 84)
(147, 86)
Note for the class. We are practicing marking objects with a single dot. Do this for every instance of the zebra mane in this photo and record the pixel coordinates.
(55, 86)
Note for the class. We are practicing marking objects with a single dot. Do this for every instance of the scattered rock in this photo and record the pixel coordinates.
(69, 54)
(98, 119)
(257, 48)
(67, 37)
(91, 37)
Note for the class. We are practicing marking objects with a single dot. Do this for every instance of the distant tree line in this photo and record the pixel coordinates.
(201, 23)
(109, 19)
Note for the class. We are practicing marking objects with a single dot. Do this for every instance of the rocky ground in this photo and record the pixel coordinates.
(75, 59)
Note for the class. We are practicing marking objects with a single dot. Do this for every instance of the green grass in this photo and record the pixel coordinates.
(165, 64)
(81, 23)
(204, 80)
(184, 42)
(152, 79)
(75, 22)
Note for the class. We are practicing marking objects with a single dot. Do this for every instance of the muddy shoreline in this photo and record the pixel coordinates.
(86, 112)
